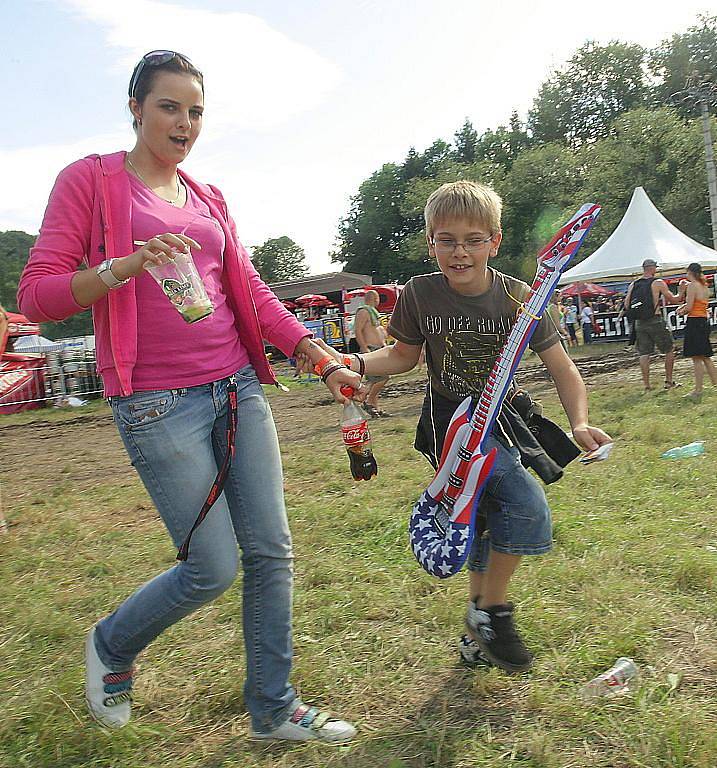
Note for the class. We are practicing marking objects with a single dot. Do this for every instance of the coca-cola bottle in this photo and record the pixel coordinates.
(357, 439)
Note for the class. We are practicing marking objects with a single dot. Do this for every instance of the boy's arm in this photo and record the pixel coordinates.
(387, 361)
(395, 358)
(573, 396)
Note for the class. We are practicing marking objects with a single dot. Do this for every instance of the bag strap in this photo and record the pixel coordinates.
(220, 479)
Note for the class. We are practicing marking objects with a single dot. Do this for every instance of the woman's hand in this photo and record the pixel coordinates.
(682, 309)
(155, 252)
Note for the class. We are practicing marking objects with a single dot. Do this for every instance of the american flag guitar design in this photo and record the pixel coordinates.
(442, 522)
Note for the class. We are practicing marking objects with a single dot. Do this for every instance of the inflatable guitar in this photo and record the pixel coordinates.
(442, 522)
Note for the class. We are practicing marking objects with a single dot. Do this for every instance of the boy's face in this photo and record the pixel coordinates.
(464, 265)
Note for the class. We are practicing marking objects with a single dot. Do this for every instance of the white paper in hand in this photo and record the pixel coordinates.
(599, 454)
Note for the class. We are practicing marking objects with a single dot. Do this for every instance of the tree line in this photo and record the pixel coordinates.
(601, 125)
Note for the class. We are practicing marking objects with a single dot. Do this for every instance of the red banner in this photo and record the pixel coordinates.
(21, 382)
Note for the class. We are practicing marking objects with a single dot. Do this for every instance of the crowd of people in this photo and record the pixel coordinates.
(185, 395)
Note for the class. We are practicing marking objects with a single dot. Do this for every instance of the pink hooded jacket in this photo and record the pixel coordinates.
(88, 220)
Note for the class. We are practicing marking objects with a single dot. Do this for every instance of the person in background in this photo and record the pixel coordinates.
(370, 336)
(652, 331)
(696, 343)
(586, 321)
(571, 322)
(176, 389)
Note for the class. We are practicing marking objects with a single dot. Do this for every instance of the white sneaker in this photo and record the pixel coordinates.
(107, 693)
(307, 724)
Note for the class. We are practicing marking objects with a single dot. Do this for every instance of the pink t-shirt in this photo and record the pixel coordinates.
(172, 353)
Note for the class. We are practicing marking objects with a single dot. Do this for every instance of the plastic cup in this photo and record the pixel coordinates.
(182, 285)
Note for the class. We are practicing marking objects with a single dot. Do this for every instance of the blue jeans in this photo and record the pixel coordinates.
(175, 440)
(519, 521)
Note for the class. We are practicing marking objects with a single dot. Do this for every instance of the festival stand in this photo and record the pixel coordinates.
(22, 376)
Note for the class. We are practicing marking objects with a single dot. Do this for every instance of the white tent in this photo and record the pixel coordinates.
(643, 233)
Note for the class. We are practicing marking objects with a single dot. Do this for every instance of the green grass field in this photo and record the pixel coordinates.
(633, 572)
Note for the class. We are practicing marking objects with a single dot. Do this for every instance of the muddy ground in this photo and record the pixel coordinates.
(87, 446)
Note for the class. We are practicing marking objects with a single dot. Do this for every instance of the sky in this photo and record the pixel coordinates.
(304, 100)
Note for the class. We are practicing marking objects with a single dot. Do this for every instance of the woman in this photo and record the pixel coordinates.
(696, 344)
(174, 388)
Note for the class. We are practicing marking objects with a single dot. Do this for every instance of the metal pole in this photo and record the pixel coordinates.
(711, 175)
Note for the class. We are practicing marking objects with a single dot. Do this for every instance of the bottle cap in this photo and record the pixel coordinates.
(347, 391)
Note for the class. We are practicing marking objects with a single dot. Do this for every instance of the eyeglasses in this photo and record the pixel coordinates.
(446, 247)
(153, 59)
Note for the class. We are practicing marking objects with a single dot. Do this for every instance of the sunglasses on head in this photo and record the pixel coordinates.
(153, 59)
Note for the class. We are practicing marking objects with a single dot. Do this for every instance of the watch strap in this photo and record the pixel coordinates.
(104, 272)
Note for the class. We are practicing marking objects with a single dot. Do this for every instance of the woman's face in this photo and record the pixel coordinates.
(170, 118)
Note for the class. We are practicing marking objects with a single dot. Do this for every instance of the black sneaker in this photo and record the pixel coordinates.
(494, 631)
(471, 654)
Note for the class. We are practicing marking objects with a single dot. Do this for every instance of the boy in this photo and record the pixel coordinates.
(464, 314)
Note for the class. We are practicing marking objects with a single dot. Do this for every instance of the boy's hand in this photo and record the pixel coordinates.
(589, 438)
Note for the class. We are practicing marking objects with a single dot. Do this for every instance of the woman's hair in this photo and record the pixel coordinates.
(177, 63)
(696, 270)
(464, 200)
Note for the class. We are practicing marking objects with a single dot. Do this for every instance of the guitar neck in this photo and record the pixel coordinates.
(507, 361)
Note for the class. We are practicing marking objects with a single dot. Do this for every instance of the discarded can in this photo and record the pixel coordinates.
(614, 680)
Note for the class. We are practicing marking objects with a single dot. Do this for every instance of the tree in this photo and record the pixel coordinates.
(503, 145)
(14, 251)
(693, 53)
(279, 259)
(579, 103)
(465, 143)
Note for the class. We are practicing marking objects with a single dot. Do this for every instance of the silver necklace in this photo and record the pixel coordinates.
(139, 176)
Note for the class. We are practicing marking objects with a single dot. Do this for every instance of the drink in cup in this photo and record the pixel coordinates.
(182, 285)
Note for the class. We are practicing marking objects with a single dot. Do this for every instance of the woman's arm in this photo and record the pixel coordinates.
(689, 299)
(44, 291)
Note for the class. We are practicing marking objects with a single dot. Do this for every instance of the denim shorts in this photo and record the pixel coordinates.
(514, 506)
(517, 512)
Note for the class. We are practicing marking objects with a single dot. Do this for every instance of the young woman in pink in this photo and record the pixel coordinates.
(172, 386)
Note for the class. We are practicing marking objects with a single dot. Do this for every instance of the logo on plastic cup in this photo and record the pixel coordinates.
(176, 292)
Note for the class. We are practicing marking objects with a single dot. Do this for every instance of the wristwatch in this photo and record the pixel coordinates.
(104, 272)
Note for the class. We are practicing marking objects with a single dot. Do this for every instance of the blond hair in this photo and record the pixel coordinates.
(464, 200)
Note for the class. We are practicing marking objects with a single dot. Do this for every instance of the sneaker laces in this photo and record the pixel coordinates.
(310, 717)
(119, 687)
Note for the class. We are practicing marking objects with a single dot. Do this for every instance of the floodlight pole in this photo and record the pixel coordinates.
(711, 175)
(703, 95)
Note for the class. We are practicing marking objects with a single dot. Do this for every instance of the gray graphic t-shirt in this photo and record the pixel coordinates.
(463, 334)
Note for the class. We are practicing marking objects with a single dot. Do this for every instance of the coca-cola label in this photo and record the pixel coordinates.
(355, 434)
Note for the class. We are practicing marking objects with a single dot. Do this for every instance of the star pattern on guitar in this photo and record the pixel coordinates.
(440, 554)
